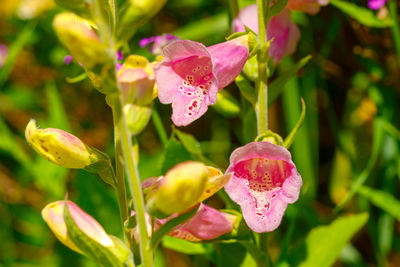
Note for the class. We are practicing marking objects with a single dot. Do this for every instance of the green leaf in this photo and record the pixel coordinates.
(363, 15)
(377, 140)
(189, 142)
(246, 89)
(186, 247)
(226, 105)
(278, 85)
(115, 256)
(277, 8)
(174, 153)
(171, 224)
(324, 244)
(382, 199)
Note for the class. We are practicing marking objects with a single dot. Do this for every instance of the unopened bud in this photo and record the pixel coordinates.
(136, 79)
(179, 190)
(68, 151)
(78, 36)
(137, 13)
(53, 214)
(137, 117)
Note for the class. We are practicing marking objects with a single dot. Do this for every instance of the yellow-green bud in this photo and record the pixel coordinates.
(137, 13)
(137, 117)
(179, 190)
(63, 148)
(78, 36)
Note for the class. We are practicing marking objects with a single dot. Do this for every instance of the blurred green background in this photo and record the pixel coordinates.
(350, 136)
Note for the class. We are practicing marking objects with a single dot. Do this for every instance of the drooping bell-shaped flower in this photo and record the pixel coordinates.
(309, 6)
(156, 43)
(53, 214)
(207, 224)
(376, 4)
(280, 28)
(264, 181)
(191, 74)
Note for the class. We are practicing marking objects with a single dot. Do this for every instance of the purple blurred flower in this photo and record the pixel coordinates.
(157, 42)
(120, 56)
(3, 54)
(264, 181)
(376, 4)
(67, 59)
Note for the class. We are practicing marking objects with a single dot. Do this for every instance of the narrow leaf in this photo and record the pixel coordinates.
(278, 85)
(102, 255)
(363, 15)
(382, 199)
(277, 8)
(290, 138)
(226, 105)
(246, 89)
(169, 226)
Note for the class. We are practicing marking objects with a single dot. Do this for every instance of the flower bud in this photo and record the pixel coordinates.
(53, 214)
(137, 13)
(64, 149)
(136, 79)
(180, 189)
(78, 36)
(137, 117)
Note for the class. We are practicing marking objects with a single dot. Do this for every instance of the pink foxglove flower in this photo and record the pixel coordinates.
(156, 43)
(285, 33)
(264, 181)
(191, 74)
(309, 6)
(53, 214)
(207, 224)
(376, 4)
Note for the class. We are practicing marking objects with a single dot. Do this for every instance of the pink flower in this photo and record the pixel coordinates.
(53, 214)
(207, 224)
(309, 6)
(285, 33)
(376, 4)
(264, 181)
(191, 74)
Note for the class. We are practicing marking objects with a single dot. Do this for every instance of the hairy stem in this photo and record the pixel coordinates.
(262, 98)
(134, 183)
(120, 188)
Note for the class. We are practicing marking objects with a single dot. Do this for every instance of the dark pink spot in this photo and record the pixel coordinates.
(189, 93)
(194, 104)
(190, 107)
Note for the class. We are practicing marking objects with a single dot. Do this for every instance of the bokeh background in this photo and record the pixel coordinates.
(351, 132)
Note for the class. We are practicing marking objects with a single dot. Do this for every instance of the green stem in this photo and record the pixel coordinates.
(263, 245)
(120, 188)
(262, 98)
(134, 183)
(234, 8)
(159, 126)
(395, 27)
(261, 84)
